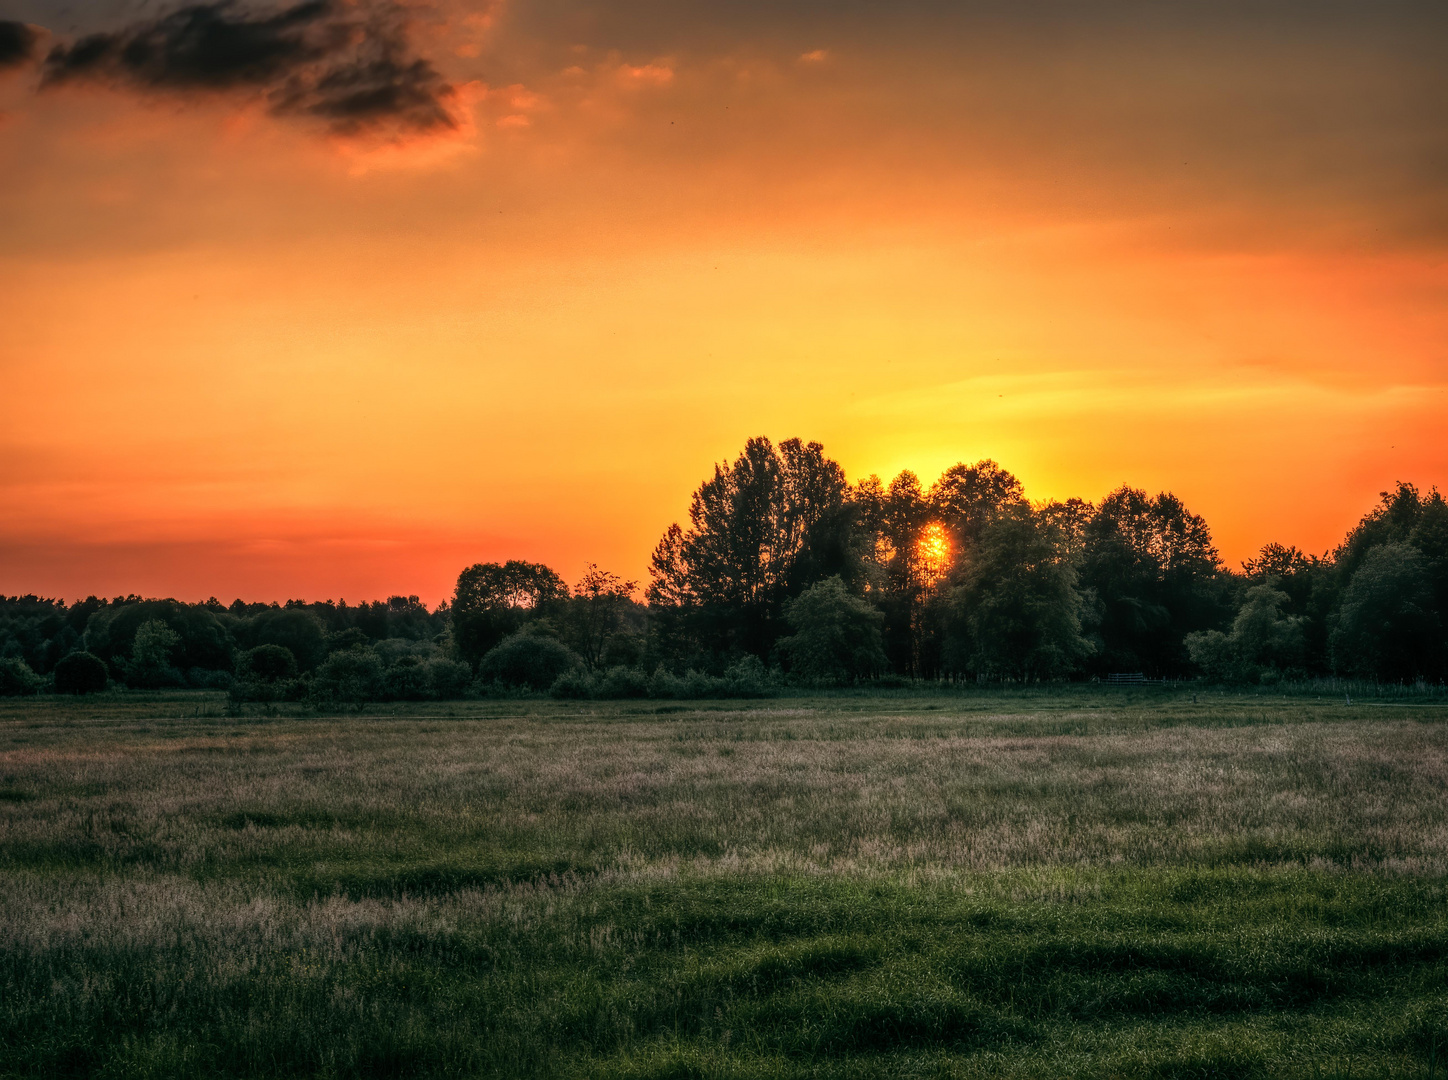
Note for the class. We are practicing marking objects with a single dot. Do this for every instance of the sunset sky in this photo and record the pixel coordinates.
(260, 338)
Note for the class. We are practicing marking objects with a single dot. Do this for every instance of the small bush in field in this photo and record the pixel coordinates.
(575, 684)
(665, 684)
(16, 678)
(80, 673)
(624, 682)
(528, 660)
(352, 676)
(267, 663)
(447, 679)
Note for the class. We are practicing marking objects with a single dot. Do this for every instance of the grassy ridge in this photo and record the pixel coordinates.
(802, 888)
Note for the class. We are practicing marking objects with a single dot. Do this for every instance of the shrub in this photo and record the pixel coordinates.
(528, 660)
(696, 684)
(665, 684)
(293, 629)
(205, 679)
(352, 676)
(575, 684)
(406, 680)
(624, 682)
(267, 663)
(447, 679)
(275, 690)
(837, 635)
(16, 678)
(748, 677)
(151, 649)
(80, 673)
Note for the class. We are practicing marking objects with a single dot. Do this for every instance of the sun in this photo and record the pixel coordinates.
(933, 552)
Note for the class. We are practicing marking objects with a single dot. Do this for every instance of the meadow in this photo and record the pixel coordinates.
(1084, 883)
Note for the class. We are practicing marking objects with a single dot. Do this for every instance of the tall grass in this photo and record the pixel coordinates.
(1114, 883)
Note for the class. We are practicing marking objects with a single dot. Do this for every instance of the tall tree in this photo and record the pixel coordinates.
(1387, 626)
(1016, 609)
(967, 497)
(597, 614)
(1154, 571)
(754, 539)
(492, 600)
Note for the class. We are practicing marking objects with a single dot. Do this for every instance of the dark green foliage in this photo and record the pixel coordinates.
(623, 682)
(406, 680)
(757, 535)
(267, 663)
(1017, 609)
(295, 629)
(80, 673)
(968, 498)
(575, 684)
(266, 673)
(350, 677)
(493, 600)
(447, 679)
(747, 677)
(149, 666)
(1387, 624)
(601, 622)
(528, 660)
(1155, 574)
(16, 678)
(1264, 642)
(345, 639)
(203, 641)
(40, 631)
(836, 635)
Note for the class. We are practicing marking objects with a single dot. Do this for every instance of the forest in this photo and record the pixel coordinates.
(788, 575)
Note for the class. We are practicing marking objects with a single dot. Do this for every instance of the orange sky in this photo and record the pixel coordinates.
(243, 354)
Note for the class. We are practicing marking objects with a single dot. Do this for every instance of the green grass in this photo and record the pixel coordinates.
(1009, 884)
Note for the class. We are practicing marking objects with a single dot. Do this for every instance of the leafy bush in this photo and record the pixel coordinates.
(80, 673)
(267, 673)
(574, 684)
(837, 635)
(152, 647)
(406, 680)
(204, 679)
(267, 663)
(747, 677)
(299, 632)
(262, 690)
(1262, 644)
(1386, 626)
(350, 677)
(624, 682)
(204, 642)
(528, 660)
(697, 684)
(16, 678)
(665, 684)
(447, 679)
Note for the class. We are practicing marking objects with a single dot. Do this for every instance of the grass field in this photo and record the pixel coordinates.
(1044, 885)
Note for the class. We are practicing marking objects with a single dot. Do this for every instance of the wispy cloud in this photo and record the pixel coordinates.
(350, 66)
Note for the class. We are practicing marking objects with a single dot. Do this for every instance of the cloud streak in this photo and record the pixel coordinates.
(351, 67)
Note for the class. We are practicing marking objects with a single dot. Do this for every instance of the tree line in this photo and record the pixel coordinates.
(787, 573)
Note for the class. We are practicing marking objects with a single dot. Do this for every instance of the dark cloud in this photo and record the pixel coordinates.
(350, 66)
(17, 42)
